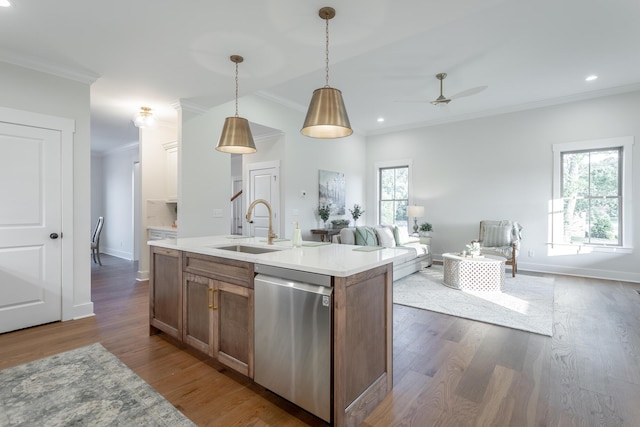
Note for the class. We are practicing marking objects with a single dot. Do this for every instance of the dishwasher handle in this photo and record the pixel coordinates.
(263, 279)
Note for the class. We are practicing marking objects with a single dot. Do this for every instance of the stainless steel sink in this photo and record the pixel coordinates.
(246, 249)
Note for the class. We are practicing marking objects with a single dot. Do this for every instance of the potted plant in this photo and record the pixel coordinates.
(425, 229)
(340, 223)
(324, 211)
(356, 213)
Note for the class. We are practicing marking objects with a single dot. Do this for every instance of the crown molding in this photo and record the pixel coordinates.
(278, 100)
(115, 150)
(37, 64)
(189, 106)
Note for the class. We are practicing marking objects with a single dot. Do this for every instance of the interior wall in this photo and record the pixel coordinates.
(152, 157)
(96, 188)
(501, 167)
(29, 90)
(206, 182)
(117, 237)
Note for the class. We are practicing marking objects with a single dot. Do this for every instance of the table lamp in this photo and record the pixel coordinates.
(415, 212)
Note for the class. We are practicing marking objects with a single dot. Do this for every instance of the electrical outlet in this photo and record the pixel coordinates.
(217, 213)
(532, 253)
(294, 212)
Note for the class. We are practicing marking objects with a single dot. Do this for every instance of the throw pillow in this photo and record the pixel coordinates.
(403, 236)
(385, 236)
(366, 236)
(497, 235)
(396, 235)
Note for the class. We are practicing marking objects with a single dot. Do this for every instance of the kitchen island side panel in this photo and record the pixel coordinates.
(363, 343)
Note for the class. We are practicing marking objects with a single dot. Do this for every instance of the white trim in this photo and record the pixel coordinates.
(83, 310)
(556, 206)
(392, 164)
(275, 207)
(48, 67)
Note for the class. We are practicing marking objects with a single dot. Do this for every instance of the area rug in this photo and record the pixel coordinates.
(525, 304)
(87, 386)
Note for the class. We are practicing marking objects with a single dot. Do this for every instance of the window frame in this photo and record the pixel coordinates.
(625, 144)
(401, 163)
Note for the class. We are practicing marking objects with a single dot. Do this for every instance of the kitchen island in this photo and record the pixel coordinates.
(202, 293)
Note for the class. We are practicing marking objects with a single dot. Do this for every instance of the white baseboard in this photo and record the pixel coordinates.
(141, 276)
(82, 310)
(623, 276)
(119, 254)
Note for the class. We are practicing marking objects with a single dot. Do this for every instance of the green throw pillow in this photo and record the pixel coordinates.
(366, 236)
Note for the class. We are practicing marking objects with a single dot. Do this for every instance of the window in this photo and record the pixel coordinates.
(393, 195)
(592, 184)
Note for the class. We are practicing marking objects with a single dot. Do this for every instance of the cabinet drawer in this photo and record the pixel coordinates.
(232, 271)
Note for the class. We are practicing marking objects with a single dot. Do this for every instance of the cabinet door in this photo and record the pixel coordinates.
(233, 326)
(165, 291)
(197, 330)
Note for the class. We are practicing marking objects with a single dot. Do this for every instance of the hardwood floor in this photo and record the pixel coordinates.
(448, 371)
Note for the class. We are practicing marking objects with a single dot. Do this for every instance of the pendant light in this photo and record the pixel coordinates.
(236, 135)
(326, 117)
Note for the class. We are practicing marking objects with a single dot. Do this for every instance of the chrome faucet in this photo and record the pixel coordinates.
(271, 235)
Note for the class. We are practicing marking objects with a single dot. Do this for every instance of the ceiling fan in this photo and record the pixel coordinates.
(441, 99)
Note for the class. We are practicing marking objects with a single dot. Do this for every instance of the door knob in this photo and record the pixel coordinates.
(53, 235)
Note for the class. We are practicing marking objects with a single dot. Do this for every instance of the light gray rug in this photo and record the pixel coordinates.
(87, 386)
(525, 304)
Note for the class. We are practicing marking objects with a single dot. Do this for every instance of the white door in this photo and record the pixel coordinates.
(264, 184)
(30, 220)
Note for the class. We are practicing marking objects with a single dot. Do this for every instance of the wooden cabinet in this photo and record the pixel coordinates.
(197, 313)
(218, 309)
(165, 291)
(233, 326)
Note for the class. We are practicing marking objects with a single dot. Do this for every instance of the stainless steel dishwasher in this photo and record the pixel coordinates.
(293, 336)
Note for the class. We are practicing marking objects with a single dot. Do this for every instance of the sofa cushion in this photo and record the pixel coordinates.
(497, 235)
(366, 236)
(347, 236)
(385, 236)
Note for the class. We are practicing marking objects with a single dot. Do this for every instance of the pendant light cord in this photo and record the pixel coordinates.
(236, 89)
(326, 20)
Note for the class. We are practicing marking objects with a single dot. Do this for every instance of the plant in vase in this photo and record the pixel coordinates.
(425, 229)
(356, 213)
(340, 223)
(324, 212)
(473, 248)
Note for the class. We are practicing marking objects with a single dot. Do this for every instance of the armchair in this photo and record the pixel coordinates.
(501, 238)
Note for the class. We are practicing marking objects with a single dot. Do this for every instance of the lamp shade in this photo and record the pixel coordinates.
(236, 137)
(415, 211)
(327, 115)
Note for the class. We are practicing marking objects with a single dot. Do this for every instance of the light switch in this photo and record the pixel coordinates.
(217, 213)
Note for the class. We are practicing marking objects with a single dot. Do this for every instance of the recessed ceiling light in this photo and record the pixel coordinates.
(5, 3)
(380, 119)
(591, 78)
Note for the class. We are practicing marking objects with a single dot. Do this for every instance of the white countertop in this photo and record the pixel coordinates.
(162, 228)
(331, 259)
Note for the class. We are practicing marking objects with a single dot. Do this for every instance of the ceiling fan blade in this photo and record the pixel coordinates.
(469, 92)
(422, 100)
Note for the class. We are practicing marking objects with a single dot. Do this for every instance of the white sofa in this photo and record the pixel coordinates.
(390, 236)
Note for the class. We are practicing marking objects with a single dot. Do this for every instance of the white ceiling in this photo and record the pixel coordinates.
(384, 54)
